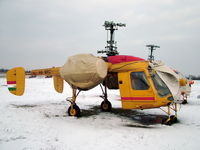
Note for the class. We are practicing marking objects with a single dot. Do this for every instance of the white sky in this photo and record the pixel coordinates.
(43, 33)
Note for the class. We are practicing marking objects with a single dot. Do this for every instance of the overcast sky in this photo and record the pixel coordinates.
(43, 33)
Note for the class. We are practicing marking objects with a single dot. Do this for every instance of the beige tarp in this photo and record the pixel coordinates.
(171, 79)
(84, 71)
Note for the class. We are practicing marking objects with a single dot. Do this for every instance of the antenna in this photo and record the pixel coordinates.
(151, 48)
(111, 47)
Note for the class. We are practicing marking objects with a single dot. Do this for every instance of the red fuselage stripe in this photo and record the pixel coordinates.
(138, 98)
(11, 82)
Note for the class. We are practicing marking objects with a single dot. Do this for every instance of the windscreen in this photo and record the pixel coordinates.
(160, 86)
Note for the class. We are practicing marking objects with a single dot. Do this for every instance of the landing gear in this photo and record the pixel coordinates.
(184, 102)
(171, 118)
(184, 98)
(105, 105)
(74, 110)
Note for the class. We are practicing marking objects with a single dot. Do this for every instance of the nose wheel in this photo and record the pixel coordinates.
(171, 118)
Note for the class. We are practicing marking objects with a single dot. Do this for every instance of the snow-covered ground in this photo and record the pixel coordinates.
(38, 121)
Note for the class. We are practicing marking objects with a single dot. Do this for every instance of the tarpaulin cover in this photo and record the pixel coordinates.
(171, 79)
(123, 58)
(84, 71)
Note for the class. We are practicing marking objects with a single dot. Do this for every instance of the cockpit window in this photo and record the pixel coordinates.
(160, 86)
(139, 81)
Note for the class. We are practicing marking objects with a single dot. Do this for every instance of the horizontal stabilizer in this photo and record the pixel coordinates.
(16, 81)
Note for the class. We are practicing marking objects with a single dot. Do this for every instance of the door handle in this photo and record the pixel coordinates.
(120, 82)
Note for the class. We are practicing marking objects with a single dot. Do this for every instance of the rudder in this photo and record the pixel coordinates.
(16, 81)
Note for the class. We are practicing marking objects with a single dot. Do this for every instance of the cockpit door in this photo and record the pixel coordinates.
(140, 86)
(136, 89)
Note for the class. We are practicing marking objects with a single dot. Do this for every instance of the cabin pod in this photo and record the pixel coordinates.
(84, 71)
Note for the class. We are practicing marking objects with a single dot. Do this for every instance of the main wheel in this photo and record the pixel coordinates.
(106, 106)
(75, 111)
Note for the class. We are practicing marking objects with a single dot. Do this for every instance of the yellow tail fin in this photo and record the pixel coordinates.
(58, 83)
(16, 81)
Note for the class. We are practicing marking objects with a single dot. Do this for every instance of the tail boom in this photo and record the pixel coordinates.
(46, 72)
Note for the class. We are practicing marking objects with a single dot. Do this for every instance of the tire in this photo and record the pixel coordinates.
(75, 111)
(184, 102)
(165, 121)
(173, 119)
(106, 106)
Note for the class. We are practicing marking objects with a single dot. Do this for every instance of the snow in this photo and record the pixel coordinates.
(38, 121)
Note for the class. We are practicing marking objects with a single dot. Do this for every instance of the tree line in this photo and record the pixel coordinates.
(193, 77)
(2, 70)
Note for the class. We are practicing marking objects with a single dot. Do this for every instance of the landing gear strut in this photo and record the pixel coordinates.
(184, 98)
(74, 110)
(171, 118)
(105, 105)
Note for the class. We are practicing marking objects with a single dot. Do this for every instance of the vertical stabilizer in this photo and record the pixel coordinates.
(16, 81)
(58, 83)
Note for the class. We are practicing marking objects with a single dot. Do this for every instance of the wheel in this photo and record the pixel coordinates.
(184, 102)
(106, 106)
(75, 111)
(173, 119)
(167, 121)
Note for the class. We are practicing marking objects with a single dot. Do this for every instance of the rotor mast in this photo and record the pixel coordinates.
(151, 48)
(111, 47)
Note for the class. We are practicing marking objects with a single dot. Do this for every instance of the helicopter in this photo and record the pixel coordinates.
(143, 84)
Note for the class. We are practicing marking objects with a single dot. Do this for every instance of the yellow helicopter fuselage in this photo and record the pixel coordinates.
(133, 94)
